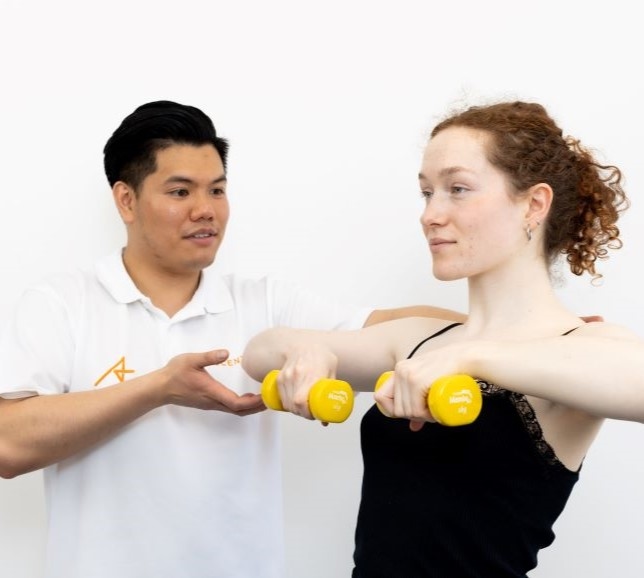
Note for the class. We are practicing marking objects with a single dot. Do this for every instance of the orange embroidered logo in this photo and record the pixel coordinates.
(231, 361)
(117, 369)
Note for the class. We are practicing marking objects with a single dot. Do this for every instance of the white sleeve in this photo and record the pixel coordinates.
(294, 306)
(36, 348)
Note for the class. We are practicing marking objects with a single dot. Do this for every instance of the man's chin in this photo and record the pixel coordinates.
(204, 261)
(200, 264)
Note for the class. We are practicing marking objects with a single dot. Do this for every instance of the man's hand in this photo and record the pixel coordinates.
(188, 384)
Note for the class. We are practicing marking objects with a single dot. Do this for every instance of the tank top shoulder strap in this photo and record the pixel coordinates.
(439, 332)
(456, 324)
(570, 331)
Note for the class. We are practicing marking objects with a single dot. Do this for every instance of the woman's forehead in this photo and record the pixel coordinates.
(455, 149)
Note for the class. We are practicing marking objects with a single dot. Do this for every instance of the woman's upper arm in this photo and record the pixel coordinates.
(365, 354)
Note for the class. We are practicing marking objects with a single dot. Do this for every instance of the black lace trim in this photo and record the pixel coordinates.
(528, 416)
(520, 403)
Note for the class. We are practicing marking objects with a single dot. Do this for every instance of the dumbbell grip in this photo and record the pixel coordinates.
(453, 400)
(330, 400)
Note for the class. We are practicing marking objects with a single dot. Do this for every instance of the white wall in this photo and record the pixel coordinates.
(326, 105)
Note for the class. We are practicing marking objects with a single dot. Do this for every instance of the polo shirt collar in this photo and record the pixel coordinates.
(212, 295)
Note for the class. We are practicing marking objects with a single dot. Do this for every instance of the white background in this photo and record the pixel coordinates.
(327, 106)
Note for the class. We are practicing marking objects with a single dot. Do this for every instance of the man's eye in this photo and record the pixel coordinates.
(179, 192)
(218, 192)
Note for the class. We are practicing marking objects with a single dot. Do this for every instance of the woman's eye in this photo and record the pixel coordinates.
(426, 194)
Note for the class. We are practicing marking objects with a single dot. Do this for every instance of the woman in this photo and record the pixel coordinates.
(506, 194)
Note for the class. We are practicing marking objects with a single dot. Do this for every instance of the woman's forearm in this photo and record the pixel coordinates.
(599, 375)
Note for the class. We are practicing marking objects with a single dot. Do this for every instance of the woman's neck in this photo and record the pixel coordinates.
(515, 303)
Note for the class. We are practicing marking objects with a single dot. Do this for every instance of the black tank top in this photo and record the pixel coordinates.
(475, 501)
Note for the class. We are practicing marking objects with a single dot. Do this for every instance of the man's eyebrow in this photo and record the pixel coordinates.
(187, 180)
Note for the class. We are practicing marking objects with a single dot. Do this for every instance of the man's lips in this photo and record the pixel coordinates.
(201, 234)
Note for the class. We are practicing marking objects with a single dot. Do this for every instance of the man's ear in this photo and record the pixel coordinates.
(124, 199)
(539, 199)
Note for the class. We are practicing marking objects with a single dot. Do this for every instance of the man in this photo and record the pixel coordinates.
(99, 385)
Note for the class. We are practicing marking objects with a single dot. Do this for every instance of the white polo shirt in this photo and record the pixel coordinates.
(180, 492)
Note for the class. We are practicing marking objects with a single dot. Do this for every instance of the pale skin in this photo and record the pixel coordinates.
(475, 227)
(175, 224)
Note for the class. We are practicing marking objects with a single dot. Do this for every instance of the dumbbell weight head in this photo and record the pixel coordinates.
(455, 400)
(270, 393)
(331, 400)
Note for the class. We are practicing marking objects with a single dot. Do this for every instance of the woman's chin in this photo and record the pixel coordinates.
(443, 275)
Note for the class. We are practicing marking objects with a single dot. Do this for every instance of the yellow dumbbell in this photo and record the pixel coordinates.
(452, 400)
(330, 400)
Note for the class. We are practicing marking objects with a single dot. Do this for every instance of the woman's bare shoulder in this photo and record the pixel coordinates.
(606, 330)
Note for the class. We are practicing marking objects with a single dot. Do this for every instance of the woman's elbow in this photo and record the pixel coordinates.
(10, 466)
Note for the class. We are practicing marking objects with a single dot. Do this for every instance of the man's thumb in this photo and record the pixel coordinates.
(217, 356)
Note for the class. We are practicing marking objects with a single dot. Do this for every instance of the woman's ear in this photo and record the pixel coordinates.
(539, 202)
(124, 199)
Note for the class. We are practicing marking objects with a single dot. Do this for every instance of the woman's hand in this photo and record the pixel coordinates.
(405, 394)
(303, 367)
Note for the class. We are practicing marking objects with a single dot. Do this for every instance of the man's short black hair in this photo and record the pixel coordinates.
(130, 153)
